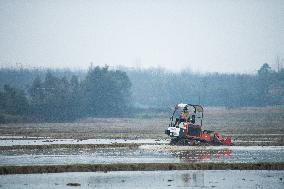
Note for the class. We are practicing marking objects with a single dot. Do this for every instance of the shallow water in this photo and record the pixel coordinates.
(28, 141)
(149, 179)
(88, 156)
(143, 154)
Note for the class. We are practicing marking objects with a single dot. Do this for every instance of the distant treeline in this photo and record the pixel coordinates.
(58, 95)
(102, 92)
(159, 88)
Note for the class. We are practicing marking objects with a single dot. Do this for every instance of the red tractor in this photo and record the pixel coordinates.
(186, 128)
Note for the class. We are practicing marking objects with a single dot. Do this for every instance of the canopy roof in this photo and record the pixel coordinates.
(197, 108)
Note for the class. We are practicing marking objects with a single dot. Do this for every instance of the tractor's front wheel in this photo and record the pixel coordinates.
(174, 141)
(179, 141)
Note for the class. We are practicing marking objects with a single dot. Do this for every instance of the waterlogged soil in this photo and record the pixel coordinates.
(143, 154)
(27, 141)
(148, 179)
(238, 139)
(257, 133)
(265, 124)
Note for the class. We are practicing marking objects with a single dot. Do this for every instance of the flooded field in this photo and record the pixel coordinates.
(28, 141)
(133, 152)
(144, 153)
(148, 179)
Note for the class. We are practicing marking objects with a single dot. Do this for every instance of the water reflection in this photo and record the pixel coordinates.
(195, 179)
(148, 179)
(203, 155)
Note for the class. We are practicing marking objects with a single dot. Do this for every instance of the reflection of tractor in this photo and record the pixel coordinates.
(203, 155)
(186, 128)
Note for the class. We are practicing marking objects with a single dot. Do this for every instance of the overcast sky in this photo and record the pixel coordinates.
(202, 35)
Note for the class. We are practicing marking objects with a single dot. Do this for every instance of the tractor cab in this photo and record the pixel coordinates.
(186, 127)
(187, 113)
(186, 120)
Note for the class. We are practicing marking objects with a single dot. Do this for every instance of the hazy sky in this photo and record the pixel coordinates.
(203, 35)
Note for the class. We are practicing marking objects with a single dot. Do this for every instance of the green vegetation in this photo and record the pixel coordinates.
(101, 93)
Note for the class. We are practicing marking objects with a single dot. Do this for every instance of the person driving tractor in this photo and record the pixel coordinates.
(184, 116)
(185, 113)
(187, 127)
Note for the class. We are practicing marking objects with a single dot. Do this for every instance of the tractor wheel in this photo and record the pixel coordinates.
(204, 142)
(174, 141)
(182, 142)
(196, 142)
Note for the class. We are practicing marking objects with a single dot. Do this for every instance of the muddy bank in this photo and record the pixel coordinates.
(138, 167)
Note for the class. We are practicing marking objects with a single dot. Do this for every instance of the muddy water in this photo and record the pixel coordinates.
(6, 141)
(149, 151)
(89, 156)
(143, 154)
(148, 179)
(230, 154)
